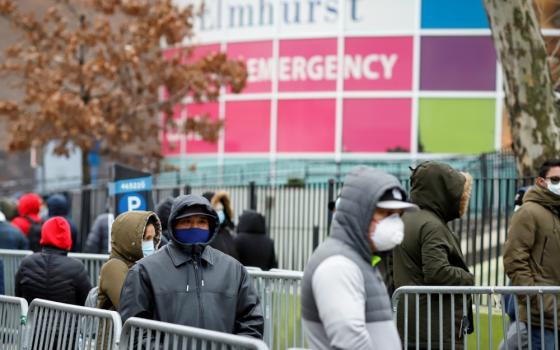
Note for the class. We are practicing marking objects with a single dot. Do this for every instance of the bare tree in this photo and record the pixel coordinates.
(92, 71)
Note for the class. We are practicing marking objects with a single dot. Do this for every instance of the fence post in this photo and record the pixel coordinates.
(252, 195)
(188, 189)
(331, 199)
(315, 237)
(85, 217)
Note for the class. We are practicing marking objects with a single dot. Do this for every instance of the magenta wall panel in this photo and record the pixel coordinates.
(376, 125)
(306, 125)
(247, 126)
(378, 63)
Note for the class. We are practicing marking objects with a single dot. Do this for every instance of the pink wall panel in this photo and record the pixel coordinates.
(257, 56)
(306, 125)
(194, 142)
(247, 126)
(307, 65)
(376, 125)
(378, 63)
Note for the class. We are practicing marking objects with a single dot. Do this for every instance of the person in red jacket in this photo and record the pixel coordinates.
(28, 208)
(29, 221)
(51, 274)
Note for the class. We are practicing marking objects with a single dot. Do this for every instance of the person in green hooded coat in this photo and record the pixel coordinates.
(134, 234)
(430, 254)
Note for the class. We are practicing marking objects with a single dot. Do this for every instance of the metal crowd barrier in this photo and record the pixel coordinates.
(279, 291)
(55, 325)
(13, 316)
(11, 259)
(280, 294)
(429, 307)
(141, 334)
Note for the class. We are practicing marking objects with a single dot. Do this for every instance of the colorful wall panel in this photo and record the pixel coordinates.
(346, 77)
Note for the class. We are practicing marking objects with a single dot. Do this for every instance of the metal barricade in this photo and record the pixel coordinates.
(61, 326)
(92, 263)
(140, 334)
(12, 259)
(280, 295)
(438, 317)
(13, 316)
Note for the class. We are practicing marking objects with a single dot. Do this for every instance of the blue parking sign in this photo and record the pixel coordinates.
(132, 201)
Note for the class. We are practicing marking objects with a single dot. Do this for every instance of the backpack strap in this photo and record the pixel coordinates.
(31, 221)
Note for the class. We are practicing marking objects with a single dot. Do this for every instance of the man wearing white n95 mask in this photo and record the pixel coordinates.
(345, 304)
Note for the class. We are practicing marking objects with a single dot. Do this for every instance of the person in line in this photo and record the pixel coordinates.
(430, 254)
(532, 250)
(253, 245)
(190, 283)
(10, 236)
(163, 209)
(51, 274)
(344, 302)
(134, 235)
(28, 219)
(9, 206)
(97, 241)
(57, 205)
(224, 240)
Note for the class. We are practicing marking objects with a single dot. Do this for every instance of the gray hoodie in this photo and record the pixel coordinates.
(345, 304)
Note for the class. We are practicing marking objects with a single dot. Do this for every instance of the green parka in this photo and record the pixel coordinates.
(532, 250)
(126, 248)
(430, 253)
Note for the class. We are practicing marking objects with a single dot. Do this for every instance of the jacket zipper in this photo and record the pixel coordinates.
(200, 308)
(544, 248)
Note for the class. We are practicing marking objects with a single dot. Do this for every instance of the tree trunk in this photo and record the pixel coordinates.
(86, 169)
(530, 100)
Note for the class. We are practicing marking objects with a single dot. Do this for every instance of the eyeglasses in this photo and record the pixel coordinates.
(553, 179)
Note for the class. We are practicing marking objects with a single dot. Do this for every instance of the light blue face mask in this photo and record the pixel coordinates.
(221, 216)
(148, 248)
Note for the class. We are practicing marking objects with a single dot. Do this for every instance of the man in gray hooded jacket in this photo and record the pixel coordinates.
(345, 304)
(190, 283)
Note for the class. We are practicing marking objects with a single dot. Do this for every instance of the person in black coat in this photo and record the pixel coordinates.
(224, 240)
(255, 248)
(51, 274)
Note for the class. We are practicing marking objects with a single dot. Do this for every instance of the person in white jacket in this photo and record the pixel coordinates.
(345, 304)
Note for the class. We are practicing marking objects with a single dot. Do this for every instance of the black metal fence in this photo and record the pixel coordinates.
(298, 218)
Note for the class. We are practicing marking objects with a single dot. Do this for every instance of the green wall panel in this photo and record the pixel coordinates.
(463, 126)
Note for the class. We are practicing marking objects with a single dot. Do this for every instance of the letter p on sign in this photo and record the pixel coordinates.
(134, 203)
(131, 201)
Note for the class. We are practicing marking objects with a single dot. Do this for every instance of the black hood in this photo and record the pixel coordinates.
(251, 222)
(58, 205)
(163, 210)
(180, 204)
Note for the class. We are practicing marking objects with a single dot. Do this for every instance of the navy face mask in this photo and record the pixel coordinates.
(192, 235)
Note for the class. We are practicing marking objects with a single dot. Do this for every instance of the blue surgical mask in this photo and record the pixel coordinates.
(192, 235)
(148, 248)
(221, 216)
